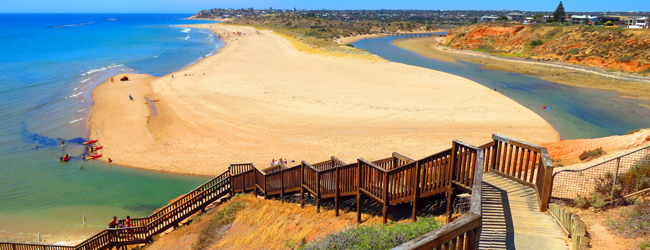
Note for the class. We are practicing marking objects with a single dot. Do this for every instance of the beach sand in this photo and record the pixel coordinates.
(637, 87)
(262, 99)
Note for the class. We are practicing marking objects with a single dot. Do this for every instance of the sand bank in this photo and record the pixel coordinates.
(351, 39)
(261, 99)
(627, 85)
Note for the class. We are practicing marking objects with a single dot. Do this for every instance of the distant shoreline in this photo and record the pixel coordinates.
(351, 39)
(636, 87)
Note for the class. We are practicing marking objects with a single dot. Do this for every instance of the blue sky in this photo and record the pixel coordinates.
(193, 6)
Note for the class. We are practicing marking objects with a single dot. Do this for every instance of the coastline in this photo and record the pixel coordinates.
(243, 110)
(562, 73)
(351, 39)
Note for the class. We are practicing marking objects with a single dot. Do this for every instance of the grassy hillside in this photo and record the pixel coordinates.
(249, 222)
(321, 33)
(611, 48)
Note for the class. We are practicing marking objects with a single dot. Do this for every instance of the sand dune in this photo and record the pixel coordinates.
(261, 99)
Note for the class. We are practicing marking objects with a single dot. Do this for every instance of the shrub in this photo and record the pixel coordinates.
(636, 221)
(536, 42)
(625, 59)
(375, 236)
(644, 245)
(573, 51)
(211, 233)
(590, 154)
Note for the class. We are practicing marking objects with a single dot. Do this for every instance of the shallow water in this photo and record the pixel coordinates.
(574, 112)
(49, 63)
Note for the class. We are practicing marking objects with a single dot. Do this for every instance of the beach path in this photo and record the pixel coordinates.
(512, 220)
(260, 99)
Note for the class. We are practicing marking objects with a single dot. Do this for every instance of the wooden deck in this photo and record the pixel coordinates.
(512, 220)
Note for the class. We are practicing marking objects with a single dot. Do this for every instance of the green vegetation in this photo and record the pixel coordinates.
(573, 51)
(559, 13)
(625, 59)
(502, 18)
(590, 154)
(536, 42)
(555, 31)
(320, 33)
(635, 222)
(606, 193)
(212, 232)
(375, 236)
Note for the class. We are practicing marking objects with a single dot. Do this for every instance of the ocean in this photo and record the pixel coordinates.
(49, 64)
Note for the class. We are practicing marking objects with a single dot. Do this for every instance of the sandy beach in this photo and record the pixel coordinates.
(629, 86)
(259, 98)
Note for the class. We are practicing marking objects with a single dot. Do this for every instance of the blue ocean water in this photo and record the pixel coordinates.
(49, 64)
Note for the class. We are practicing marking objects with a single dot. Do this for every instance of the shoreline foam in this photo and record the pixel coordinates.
(262, 99)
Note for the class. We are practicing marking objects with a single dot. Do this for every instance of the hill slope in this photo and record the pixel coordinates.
(611, 48)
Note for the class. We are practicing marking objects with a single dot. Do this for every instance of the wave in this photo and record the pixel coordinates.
(72, 25)
(81, 110)
(102, 69)
(78, 120)
(75, 95)
(186, 30)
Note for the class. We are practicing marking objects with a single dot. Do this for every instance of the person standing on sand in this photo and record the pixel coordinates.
(112, 79)
(130, 98)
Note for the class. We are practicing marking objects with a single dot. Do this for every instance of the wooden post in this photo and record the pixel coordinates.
(452, 172)
(418, 180)
(337, 190)
(282, 185)
(385, 198)
(317, 192)
(359, 207)
(302, 185)
(243, 181)
(232, 189)
(358, 191)
(264, 191)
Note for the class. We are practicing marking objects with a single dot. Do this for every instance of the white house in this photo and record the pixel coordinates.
(638, 22)
(516, 16)
(581, 19)
(488, 19)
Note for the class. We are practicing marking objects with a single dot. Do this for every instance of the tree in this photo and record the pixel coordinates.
(559, 13)
(502, 18)
(538, 17)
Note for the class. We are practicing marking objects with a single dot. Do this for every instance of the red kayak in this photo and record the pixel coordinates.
(66, 158)
(97, 148)
(90, 142)
(94, 157)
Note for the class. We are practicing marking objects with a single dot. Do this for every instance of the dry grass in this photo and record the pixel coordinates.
(272, 225)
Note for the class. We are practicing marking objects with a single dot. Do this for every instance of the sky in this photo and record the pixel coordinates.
(194, 6)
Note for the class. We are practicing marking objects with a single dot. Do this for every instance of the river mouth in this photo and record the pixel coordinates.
(575, 112)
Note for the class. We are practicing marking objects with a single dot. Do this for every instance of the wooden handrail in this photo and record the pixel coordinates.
(407, 181)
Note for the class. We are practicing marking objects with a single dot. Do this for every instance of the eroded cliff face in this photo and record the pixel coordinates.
(611, 48)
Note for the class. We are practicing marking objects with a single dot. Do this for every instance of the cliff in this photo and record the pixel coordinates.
(610, 48)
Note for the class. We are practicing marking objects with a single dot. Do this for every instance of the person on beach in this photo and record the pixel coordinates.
(172, 76)
(130, 97)
(113, 223)
(62, 143)
(112, 79)
(110, 160)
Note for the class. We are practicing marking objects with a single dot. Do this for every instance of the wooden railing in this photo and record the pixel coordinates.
(463, 233)
(523, 162)
(391, 182)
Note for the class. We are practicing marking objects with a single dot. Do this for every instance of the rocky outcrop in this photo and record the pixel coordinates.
(611, 48)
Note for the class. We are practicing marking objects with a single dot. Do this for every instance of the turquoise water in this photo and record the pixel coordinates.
(49, 64)
(574, 112)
